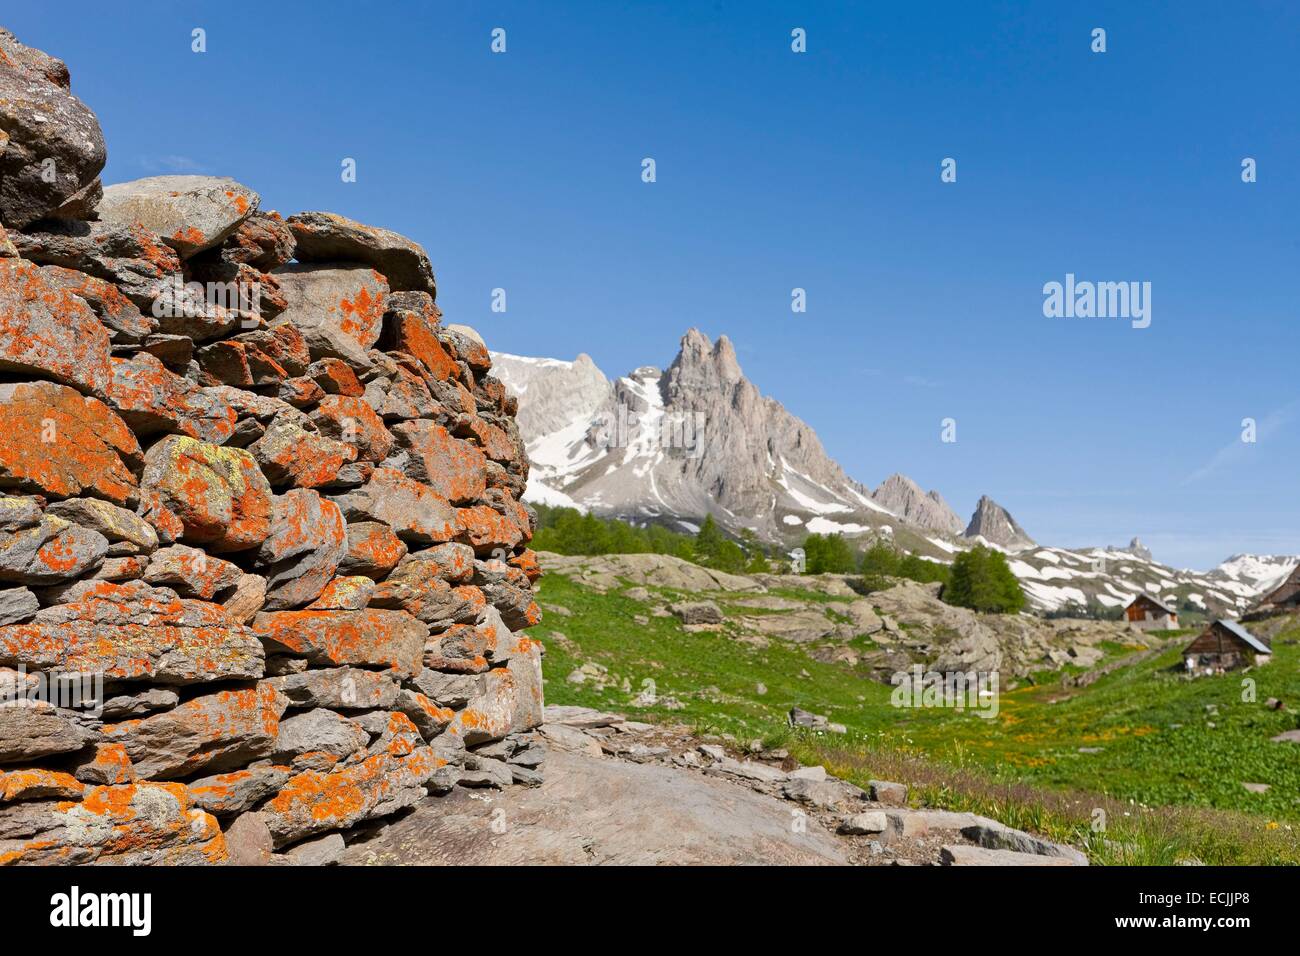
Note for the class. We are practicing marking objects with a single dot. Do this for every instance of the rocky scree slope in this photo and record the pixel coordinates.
(282, 528)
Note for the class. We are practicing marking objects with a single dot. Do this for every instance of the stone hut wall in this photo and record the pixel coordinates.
(263, 568)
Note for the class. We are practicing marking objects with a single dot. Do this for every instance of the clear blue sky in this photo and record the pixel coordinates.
(820, 170)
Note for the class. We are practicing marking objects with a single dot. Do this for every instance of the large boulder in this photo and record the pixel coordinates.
(219, 494)
(51, 146)
(326, 237)
(56, 442)
(48, 331)
(191, 213)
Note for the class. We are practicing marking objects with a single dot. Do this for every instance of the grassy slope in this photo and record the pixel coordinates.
(1157, 745)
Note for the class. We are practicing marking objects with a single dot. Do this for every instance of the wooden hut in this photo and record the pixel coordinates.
(1284, 597)
(1225, 646)
(1147, 614)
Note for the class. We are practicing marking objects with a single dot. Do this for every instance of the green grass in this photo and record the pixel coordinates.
(1157, 746)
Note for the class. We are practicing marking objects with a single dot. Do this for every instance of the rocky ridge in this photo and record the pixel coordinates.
(670, 447)
(263, 568)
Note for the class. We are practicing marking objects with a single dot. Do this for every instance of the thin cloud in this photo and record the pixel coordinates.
(171, 164)
(1234, 451)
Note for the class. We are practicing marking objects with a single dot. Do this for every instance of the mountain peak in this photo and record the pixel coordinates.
(994, 524)
(904, 497)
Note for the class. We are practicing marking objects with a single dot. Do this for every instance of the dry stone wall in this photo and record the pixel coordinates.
(263, 568)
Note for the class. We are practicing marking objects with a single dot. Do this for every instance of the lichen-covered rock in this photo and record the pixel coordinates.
(326, 237)
(132, 257)
(239, 790)
(420, 588)
(216, 732)
(338, 688)
(191, 572)
(450, 466)
(135, 632)
(53, 146)
(338, 308)
(220, 496)
(168, 314)
(56, 442)
(373, 549)
(191, 213)
(315, 802)
(37, 784)
(117, 525)
(262, 241)
(289, 453)
(415, 512)
(50, 551)
(118, 314)
(511, 701)
(139, 824)
(307, 541)
(151, 399)
(383, 638)
(48, 331)
(352, 421)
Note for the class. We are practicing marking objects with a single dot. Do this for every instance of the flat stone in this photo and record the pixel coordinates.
(392, 639)
(140, 824)
(220, 731)
(113, 522)
(191, 213)
(322, 851)
(33, 729)
(326, 237)
(50, 551)
(338, 688)
(17, 605)
(415, 512)
(961, 855)
(228, 793)
(319, 731)
(191, 572)
(132, 632)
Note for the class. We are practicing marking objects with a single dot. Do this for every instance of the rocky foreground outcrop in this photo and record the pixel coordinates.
(258, 508)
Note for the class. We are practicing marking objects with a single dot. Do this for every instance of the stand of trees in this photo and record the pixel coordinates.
(981, 579)
(569, 531)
